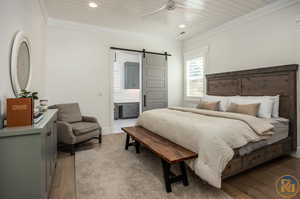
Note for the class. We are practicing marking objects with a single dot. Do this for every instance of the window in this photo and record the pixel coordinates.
(194, 75)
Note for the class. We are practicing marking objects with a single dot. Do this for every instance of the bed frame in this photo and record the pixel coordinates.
(278, 80)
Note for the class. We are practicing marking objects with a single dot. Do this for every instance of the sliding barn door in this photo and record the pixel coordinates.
(155, 82)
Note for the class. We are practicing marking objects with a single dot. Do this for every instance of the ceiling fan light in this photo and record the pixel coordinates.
(93, 4)
(182, 26)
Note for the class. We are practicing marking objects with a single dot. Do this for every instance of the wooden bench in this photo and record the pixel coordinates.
(169, 152)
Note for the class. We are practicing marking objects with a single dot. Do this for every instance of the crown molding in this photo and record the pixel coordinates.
(83, 26)
(94, 28)
(44, 10)
(261, 12)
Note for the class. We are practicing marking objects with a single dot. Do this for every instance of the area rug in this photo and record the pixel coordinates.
(107, 171)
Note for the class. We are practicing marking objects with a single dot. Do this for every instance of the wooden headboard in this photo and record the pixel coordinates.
(277, 80)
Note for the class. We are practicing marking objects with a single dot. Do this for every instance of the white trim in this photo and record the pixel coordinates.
(261, 12)
(95, 28)
(107, 130)
(190, 54)
(44, 10)
(20, 37)
(111, 85)
(297, 153)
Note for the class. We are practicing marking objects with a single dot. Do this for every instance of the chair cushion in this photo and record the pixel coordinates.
(69, 112)
(80, 128)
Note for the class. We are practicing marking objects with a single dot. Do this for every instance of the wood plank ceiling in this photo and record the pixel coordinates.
(127, 14)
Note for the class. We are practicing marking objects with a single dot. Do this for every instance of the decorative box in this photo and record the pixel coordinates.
(19, 112)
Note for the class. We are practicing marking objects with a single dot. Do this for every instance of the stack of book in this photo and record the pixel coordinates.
(37, 117)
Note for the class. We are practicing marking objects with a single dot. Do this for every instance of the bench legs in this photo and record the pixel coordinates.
(127, 141)
(135, 143)
(184, 174)
(171, 178)
(167, 174)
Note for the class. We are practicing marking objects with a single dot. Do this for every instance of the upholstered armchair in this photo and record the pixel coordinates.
(73, 128)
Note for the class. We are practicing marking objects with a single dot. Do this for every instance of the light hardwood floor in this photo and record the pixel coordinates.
(258, 183)
(64, 186)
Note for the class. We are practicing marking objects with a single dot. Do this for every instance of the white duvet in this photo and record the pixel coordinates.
(211, 134)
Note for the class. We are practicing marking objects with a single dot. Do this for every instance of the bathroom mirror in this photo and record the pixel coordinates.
(20, 65)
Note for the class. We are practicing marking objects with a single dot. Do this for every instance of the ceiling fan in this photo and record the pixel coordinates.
(171, 5)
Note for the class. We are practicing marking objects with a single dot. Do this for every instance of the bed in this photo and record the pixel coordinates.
(271, 81)
(278, 80)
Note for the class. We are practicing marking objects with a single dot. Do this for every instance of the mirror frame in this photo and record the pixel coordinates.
(18, 40)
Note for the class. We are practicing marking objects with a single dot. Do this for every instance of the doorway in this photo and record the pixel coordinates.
(126, 94)
(139, 83)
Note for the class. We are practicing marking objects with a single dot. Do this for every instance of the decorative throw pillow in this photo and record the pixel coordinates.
(213, 98)
(265, 108)
(213, 106)
(249, 109)
(265, 104)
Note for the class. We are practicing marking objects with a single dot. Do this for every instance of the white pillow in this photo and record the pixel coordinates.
(223, 101)
(265, 108)
(275, 112)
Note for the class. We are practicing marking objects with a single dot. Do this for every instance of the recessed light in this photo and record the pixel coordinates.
(93, 5)
(182, 26)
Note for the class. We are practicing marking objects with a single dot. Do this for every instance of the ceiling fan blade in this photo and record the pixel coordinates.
(155, 11)
(194, 10)
(180, 35)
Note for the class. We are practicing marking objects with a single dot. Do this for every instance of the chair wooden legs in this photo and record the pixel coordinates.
(72, 149)
(100, 138)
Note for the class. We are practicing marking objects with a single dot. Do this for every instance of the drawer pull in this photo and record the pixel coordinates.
(49, 133)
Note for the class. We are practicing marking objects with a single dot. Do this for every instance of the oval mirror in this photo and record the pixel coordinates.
(20, 67)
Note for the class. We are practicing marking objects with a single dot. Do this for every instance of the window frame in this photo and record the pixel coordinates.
(202, 52)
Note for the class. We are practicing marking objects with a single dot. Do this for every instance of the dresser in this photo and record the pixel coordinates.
(28, 159)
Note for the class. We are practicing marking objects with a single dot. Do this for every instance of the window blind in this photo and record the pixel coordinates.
(195, 77)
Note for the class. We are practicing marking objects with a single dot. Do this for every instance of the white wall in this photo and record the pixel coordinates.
(79, 65)
(23, 15)
(267, 40)
(121, 95)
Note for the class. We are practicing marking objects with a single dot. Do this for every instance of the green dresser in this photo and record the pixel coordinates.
(28, 158)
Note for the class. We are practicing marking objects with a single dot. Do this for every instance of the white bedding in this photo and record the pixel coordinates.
(211, 134)
(281, 131)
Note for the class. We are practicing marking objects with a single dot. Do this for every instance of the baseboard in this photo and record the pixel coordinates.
(297, 153)
(107, 130)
